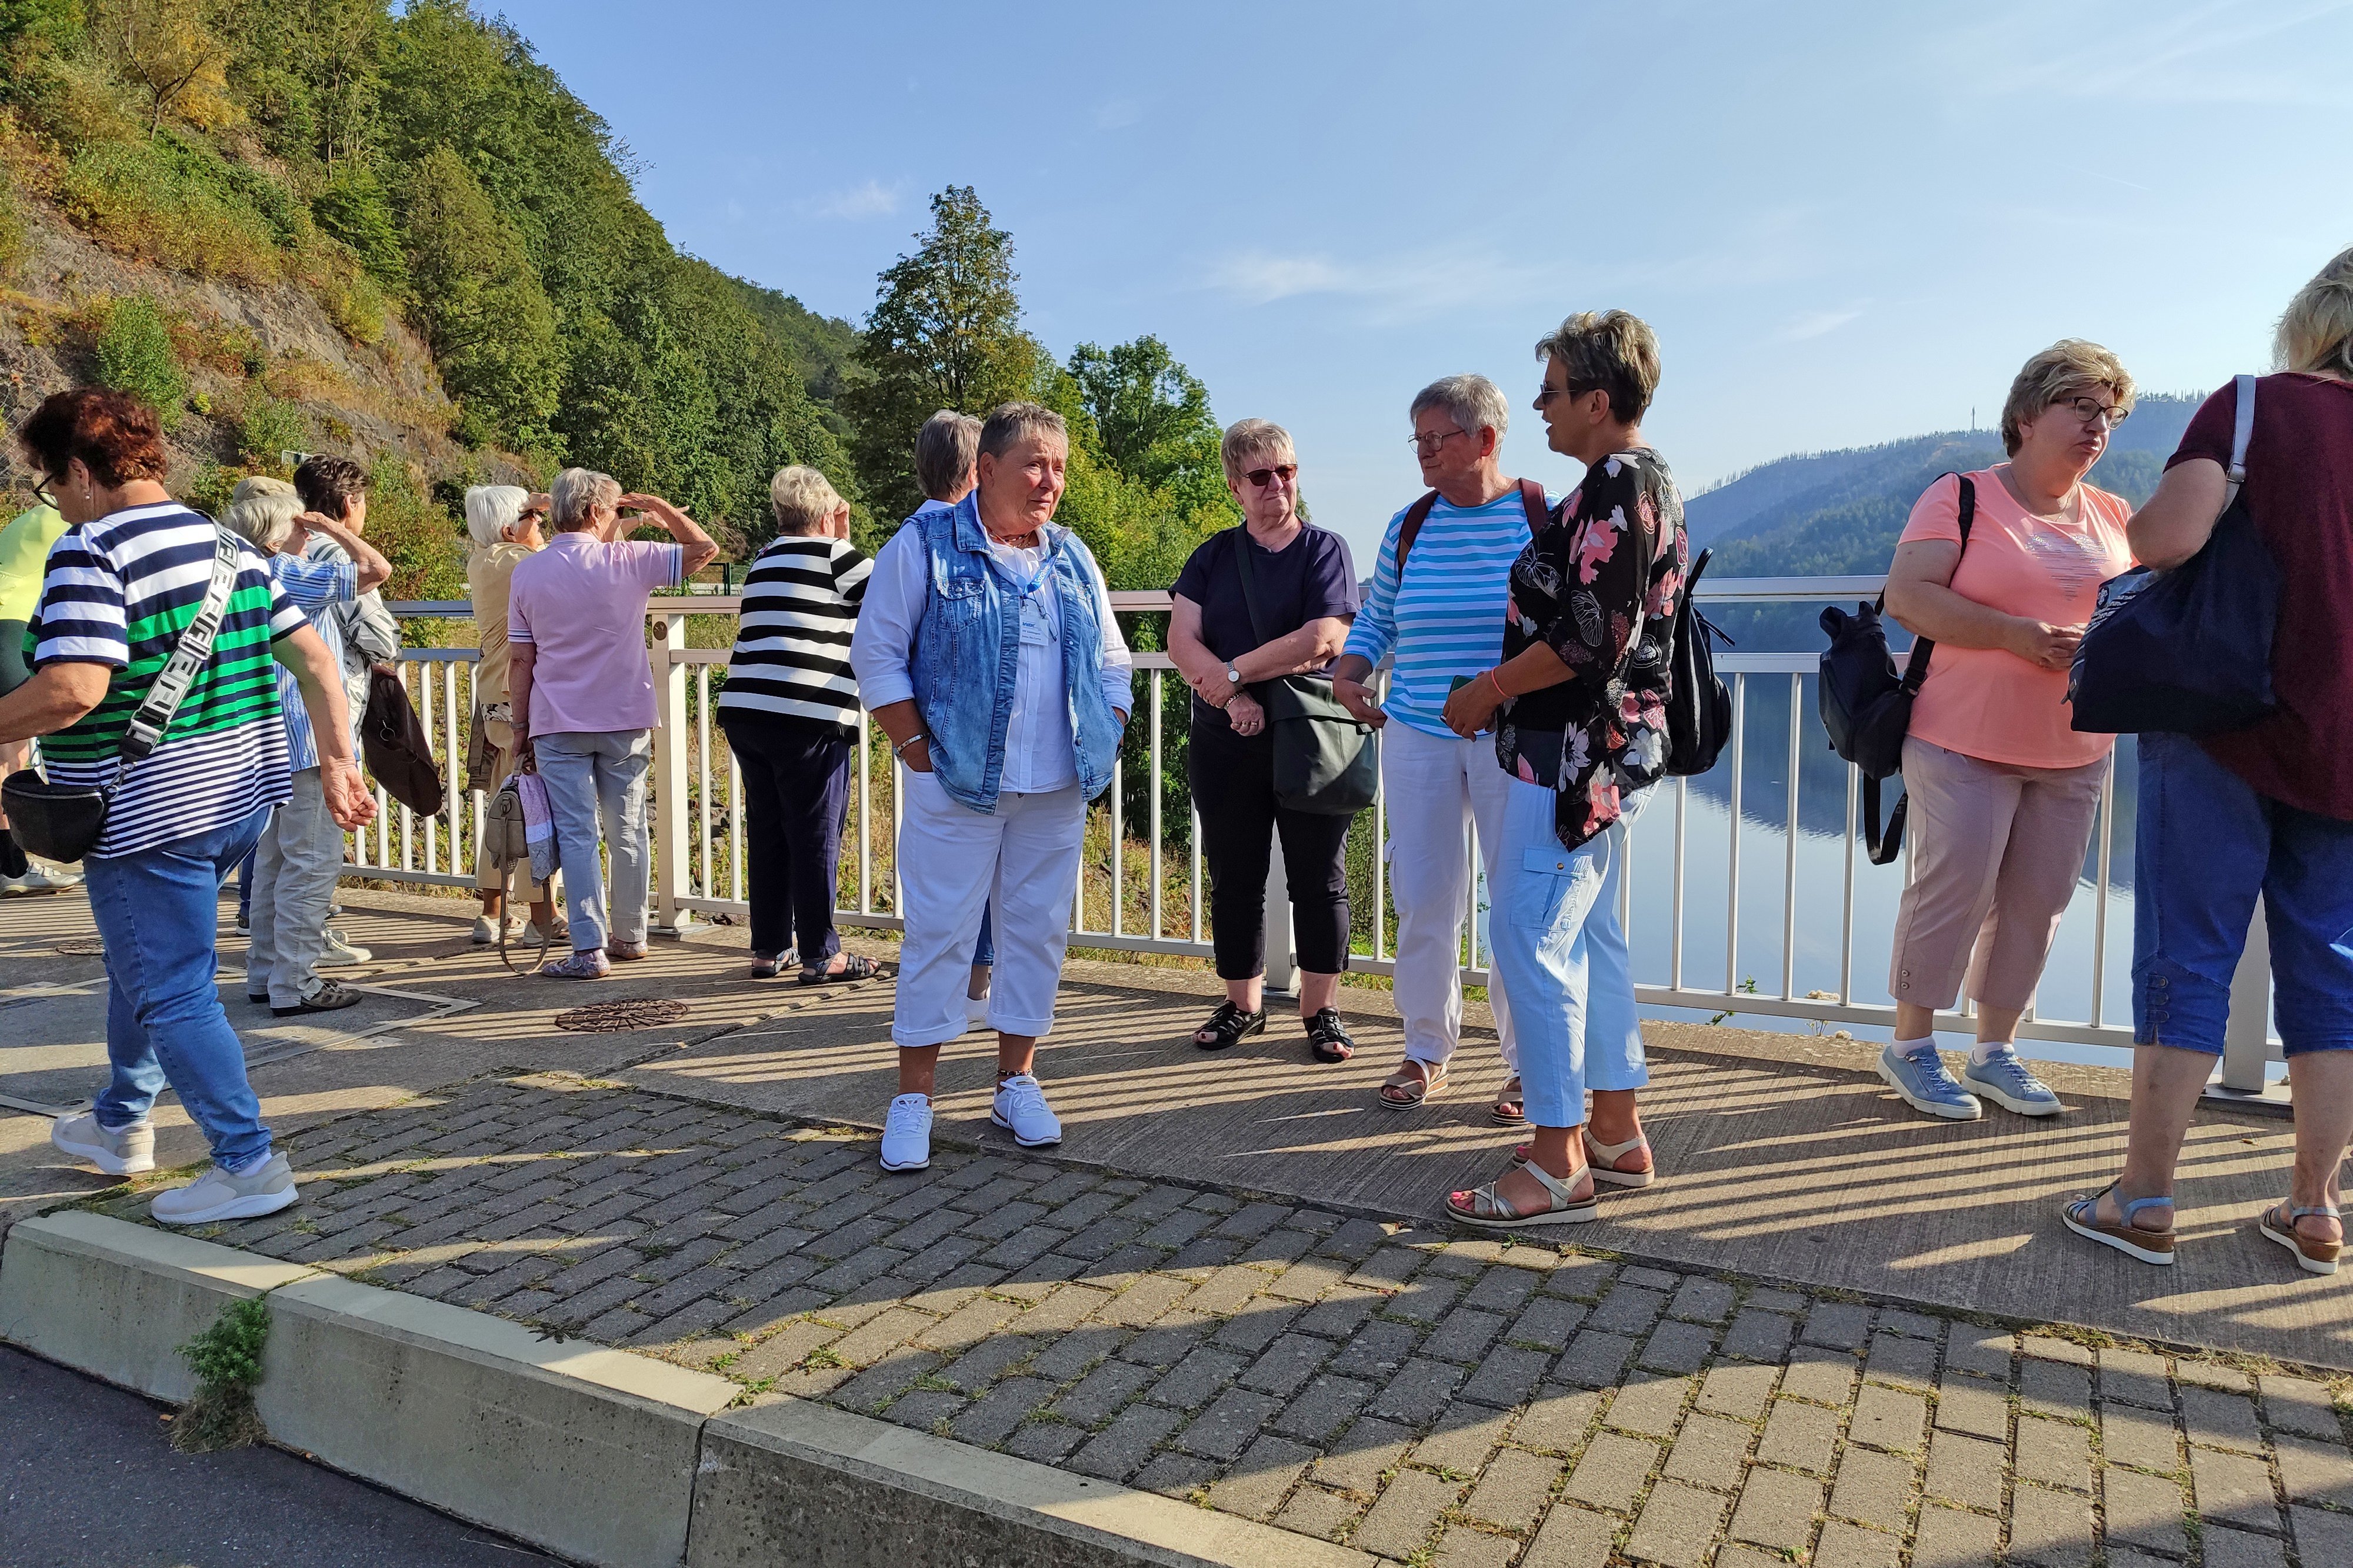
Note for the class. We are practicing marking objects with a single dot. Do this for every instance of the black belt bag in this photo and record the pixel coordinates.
(64, 821)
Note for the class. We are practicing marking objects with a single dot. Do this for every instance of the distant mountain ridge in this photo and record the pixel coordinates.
(1839, 513)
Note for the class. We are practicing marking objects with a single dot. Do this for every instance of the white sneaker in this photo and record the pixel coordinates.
(486, 931)
(534, 937)
(216, 1195)
(1021, 1109)
(341, 954)
(37, 880)
(124, 1151)
(976, 1013)
(907, 1135)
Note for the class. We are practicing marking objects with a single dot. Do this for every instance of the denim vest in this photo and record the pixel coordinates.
(968, 650)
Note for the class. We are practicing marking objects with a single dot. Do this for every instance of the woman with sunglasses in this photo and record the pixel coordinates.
(1305, 588)
(2003, 792)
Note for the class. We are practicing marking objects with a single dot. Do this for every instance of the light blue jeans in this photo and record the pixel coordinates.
(1555, 935)
(593, 775)
(158, 910)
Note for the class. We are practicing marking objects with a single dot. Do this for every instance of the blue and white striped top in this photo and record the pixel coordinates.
(318, 586)
(1449, 619)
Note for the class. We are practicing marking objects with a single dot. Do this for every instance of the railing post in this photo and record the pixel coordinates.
(670, 813)
(1282, 962)
(2246, 1038)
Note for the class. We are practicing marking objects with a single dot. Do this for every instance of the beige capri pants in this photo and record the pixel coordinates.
(499, 751)
(1995, 852)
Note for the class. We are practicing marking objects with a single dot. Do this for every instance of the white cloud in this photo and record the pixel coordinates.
(1817, 323)
(1117, 114)
(2218, 53)
(871, 199)
(1406, 286)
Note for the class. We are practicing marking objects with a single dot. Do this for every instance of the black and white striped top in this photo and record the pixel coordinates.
(792, 646)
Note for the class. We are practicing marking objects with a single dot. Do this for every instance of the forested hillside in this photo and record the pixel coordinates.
(336, 224)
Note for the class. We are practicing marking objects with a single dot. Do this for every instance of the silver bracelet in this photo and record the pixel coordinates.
(900, 748)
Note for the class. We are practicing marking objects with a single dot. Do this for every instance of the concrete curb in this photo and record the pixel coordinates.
(853, 1492)
(118, 1299)
(600, 1455)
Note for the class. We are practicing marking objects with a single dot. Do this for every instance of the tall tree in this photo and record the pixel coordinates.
(945, 333)
(173, 51)
(481, 307)
(1152, 414)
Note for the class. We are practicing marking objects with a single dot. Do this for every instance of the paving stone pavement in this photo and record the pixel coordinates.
(1423, 1396)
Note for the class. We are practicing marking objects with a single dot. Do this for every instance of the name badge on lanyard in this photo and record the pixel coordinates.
(1037, 630)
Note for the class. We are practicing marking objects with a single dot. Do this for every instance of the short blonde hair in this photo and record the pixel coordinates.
(578, 493)
(802, 499)
(2068, 368)
(2316, 335)
(491, 510)
(1247, 438)
(263, 510)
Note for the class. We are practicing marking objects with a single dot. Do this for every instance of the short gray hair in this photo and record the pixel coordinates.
(1247, 437)
(576, 492)
(262, 509)
(802, 499)
(1008, 423)
(491, 510)
(1473, 401)
(944, 448)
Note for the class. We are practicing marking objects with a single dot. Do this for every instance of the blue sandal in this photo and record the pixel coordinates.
(2082, 1217)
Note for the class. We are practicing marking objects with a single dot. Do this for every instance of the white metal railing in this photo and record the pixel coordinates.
(700, 853)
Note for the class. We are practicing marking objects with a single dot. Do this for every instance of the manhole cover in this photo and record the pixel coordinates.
(83, 947)
(613, 1018)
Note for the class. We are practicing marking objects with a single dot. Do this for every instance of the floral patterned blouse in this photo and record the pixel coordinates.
(1585, 588)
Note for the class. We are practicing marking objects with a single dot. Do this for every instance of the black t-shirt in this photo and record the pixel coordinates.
(1307, 580)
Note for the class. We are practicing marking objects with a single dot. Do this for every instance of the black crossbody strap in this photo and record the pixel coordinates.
(145, 731)
(1915, 669)
(1250, 584)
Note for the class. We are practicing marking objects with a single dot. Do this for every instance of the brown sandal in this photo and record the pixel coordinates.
(2082, 1217)
(1415, 1082)
(2312, 1255)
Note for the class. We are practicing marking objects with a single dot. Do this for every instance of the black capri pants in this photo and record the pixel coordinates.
(1233, 789)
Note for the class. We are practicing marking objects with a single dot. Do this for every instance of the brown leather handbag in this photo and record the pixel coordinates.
(393, 742)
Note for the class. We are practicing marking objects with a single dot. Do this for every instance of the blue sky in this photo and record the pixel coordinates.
(1849, 223)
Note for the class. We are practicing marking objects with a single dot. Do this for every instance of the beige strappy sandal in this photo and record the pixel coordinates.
(1482, 1207)
(1416, 1080)
(1603, 1158)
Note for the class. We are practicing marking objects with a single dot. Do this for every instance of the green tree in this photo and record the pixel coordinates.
(481, 306)
(1152, 414)
(945, 333)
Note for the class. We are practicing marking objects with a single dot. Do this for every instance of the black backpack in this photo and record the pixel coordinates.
(1866, 707)
(1699, 709)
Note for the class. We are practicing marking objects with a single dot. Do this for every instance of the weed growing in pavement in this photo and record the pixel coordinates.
(226, 1361)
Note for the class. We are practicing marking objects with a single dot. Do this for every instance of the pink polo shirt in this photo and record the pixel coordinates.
(582, 604)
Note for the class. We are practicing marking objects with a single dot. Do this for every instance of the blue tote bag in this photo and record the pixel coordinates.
(2187, 651)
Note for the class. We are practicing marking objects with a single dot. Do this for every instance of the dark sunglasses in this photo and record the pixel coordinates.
(1263, 478)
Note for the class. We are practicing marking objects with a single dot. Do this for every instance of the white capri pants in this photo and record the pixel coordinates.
(1434, 790)
(1021, 862)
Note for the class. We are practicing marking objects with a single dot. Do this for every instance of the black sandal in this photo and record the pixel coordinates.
(855, 966)
(1328, 1038)
(1228, 1026)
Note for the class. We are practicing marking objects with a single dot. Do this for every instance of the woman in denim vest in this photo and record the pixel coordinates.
(988, 652)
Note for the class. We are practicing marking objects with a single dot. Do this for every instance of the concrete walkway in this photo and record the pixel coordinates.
(1225, 1285)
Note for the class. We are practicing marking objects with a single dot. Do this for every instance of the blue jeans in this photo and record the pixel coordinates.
(1554, 937)
(2207, 844)
(593, 775)
(158, 912)
(244, 889)
(984, 951)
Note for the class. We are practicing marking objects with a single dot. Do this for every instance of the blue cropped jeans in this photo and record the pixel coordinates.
(158, 912)
(1554, 936)
(2207, 844)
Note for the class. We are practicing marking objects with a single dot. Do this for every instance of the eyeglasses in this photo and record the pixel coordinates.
(1429, 445)
(1544, 395)
(42, 493)
(1264, 478)
(2088, 409)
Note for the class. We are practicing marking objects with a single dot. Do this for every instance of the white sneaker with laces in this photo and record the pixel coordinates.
(1021, 1109)
(339, 953)
(907, 1135)
(216, 1195)
(118, 1151)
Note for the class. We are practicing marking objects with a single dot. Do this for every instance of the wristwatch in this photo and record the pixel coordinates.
(1234, 677)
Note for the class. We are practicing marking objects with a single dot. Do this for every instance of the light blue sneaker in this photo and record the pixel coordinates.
(1923, 1081)
(2003, 1078)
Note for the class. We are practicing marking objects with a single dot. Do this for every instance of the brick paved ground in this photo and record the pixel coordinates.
(1425, 1398)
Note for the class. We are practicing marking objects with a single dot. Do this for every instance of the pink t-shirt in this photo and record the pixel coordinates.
(582, 604)
(1989, 703)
